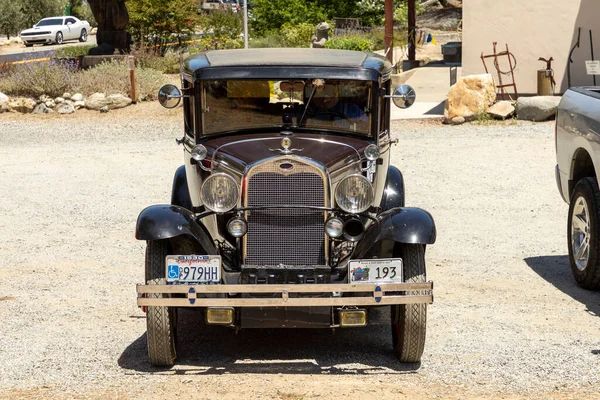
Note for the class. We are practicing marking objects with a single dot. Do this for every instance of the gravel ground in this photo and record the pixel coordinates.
(507, 322)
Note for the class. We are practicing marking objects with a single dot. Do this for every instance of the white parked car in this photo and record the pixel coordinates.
(56, 30)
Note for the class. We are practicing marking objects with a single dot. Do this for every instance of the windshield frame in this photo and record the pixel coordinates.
(372, 107)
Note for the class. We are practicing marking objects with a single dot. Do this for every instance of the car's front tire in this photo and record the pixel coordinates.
(160, 320)
(83, 37)
(59, 38)
(409, 321)
(584, 233)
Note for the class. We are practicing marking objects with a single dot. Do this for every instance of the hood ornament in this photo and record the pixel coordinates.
(286, 143)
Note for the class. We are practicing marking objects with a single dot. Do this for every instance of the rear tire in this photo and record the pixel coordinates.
(583, 231)
(160, 320)
(59, 38)
(83, 37)
(409, 321)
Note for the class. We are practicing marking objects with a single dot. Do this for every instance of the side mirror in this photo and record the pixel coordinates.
(404, 96)
(169, 96)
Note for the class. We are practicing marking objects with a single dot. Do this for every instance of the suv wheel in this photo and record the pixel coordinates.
(160, 320)
(410, 320)
(584, 233)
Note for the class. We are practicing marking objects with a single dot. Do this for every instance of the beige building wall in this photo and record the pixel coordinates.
(532, 29)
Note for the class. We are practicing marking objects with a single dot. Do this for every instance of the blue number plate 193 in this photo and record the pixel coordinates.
(193, 269)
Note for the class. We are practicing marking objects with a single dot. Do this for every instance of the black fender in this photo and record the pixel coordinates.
(398, 225)
(180, 194)
(393, 195)
(168, 221)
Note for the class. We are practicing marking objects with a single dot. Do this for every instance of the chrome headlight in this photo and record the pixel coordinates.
(220, 193)
(354, 194)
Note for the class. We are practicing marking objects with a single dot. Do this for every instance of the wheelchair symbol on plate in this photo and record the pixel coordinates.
(173, 272)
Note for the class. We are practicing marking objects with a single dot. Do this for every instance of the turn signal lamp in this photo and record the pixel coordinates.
(219, 316)
(349, 318)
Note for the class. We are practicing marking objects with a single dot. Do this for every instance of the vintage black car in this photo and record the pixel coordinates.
(286, 212)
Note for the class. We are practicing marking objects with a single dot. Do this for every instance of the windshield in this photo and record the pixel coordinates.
(340, 105)
(48, 22)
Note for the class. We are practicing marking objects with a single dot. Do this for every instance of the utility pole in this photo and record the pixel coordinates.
(245, 24)
(389, 29)
(412, 26)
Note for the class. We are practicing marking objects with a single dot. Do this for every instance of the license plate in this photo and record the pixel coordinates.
(388, 270)
(193, 269)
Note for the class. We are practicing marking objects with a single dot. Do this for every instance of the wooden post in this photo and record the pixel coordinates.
(132, 79)
(389, 30)
(412, 26)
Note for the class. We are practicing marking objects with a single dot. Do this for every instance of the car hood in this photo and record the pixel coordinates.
(332, 151)
(49, 28)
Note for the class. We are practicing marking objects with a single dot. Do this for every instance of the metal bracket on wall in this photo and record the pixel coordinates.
(501, 86)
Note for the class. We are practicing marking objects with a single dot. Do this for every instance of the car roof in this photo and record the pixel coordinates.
(288, 59)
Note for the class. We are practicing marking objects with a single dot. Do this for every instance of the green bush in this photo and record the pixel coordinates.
(167, 64)
(216, 43)
(271, 39)
(113, 77)
(354, 42)
(297, 35)
(35, 79)
(72, 51)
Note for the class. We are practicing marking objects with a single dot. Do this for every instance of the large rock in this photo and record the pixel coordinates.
(42, 109)
(65, 109)
(3, 103)
(538, 108)
(77, 97)
(471, 96)
(502, 110)
(100, 100)
(78, 104)
(22, 105)
(50, 103)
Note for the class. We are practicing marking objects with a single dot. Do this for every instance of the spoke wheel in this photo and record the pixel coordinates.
(584, 233)
(59, 38)
(84, 36)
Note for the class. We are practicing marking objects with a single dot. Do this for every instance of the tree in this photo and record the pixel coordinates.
(156, 20)
(81, 9)
(11, 17)
(34, 10)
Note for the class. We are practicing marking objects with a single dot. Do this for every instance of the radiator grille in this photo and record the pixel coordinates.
(285, 236)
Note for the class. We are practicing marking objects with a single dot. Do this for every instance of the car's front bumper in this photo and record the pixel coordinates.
(287, 295)
(38, 39)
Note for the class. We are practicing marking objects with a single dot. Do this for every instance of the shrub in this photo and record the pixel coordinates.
(216, 43)
(297, 35)
(72, 51)
(167, 64)
(35, 79)
(269, 40)
(113, 77)
(354, 42)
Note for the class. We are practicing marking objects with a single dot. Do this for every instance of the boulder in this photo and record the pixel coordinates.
(65, 109)
(471, 96)
(77, 97)
(502, 110)
(457, 120)
(66, 95)
(44, 98)
(42, 109)
(538, 108)
(3, 103)
(100, 100)
(78, 104)
(50, 103)
(22, 105)
(59, 100)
